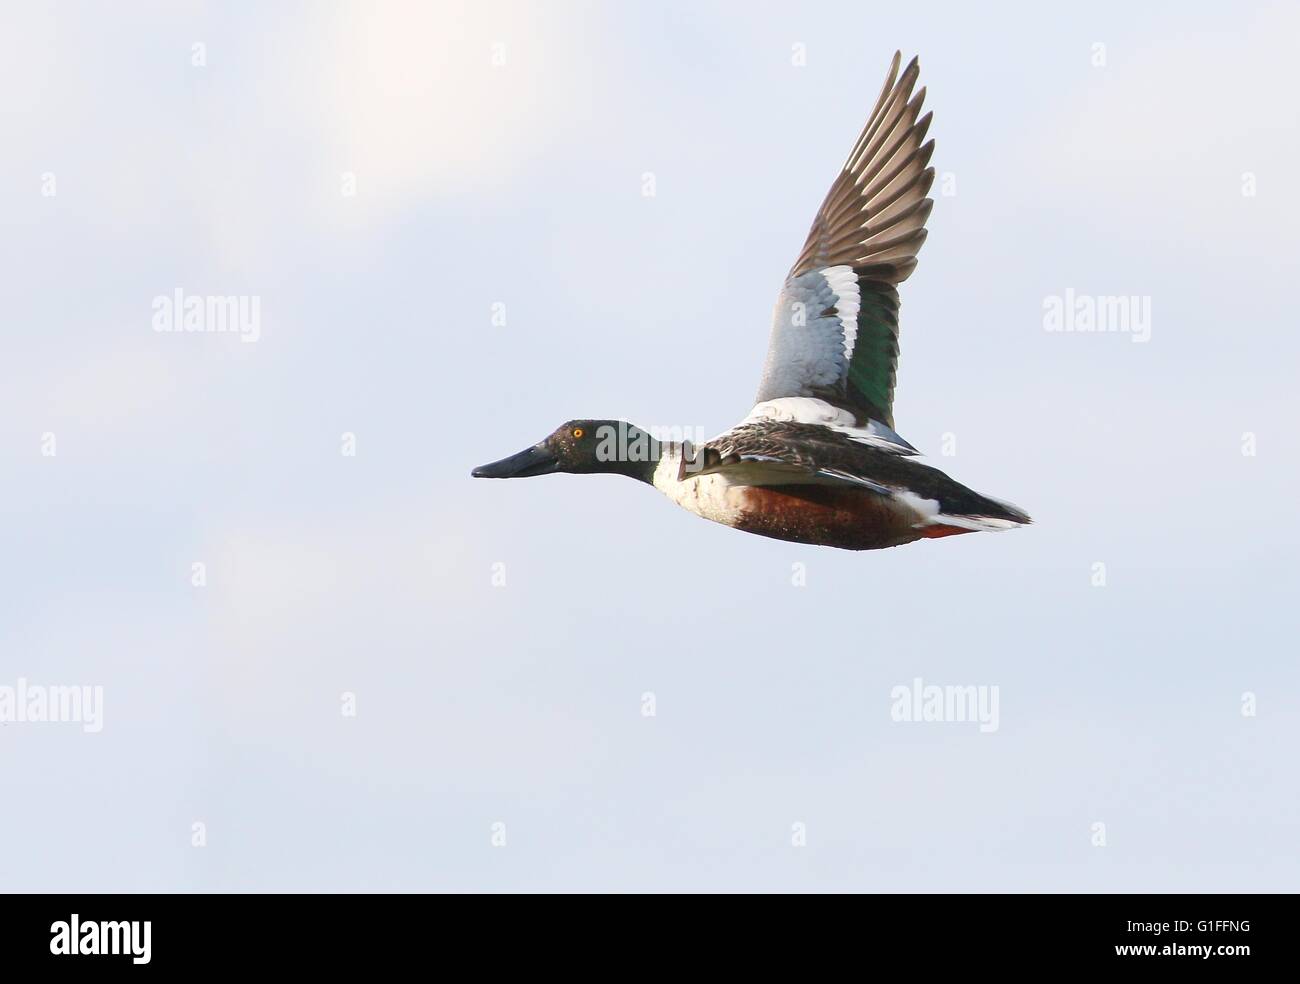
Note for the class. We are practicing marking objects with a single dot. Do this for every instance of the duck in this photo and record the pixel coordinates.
(817, 459)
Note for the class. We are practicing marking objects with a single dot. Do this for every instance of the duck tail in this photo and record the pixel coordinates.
(960, 510)
(988, 514)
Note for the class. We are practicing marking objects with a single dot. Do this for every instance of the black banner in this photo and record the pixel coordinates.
(141, 934)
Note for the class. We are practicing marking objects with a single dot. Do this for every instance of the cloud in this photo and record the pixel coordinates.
(421, 100)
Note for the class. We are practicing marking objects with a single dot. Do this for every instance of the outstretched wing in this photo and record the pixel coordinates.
(835, 328)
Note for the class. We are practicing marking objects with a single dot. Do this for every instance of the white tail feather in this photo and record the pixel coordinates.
(981, 523)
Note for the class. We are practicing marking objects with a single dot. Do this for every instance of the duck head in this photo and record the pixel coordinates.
(583, 447)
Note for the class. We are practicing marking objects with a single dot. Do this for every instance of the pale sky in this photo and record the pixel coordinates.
(498, 156)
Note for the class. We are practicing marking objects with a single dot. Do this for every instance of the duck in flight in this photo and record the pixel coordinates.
(817, 460)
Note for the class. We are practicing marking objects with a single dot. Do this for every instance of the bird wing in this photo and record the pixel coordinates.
(835, 328)
(784, 452)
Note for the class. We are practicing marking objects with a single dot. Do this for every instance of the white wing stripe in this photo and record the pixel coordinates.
(844, 282)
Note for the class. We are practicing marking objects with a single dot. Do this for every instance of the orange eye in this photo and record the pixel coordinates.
(578, 432)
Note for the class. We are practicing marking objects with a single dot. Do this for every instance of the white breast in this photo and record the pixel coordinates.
(712, 496)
